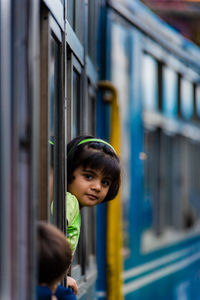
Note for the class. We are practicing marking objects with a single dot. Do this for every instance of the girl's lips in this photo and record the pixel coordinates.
(93, 197)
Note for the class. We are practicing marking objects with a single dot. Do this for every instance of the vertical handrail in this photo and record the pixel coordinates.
(114, 263)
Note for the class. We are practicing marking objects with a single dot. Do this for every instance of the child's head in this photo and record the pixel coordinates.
(88, 153)
(54, 254)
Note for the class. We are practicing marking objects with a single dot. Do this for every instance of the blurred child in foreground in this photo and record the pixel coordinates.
(54, 257)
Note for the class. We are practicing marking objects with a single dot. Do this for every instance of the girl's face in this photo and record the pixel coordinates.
(89, 186)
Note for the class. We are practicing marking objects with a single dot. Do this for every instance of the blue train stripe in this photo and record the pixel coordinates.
(145, 280)
(156, 263)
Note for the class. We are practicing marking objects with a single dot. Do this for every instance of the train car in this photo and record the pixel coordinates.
(155, 74)
(48, 83)
(140, 91)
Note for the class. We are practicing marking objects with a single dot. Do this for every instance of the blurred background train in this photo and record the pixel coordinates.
(116, 70)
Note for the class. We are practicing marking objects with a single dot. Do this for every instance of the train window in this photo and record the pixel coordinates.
(79, 106)
(51, 185)
(151, 177)
(92, 28)
(171, 194)
(186, 101)
(194, 179)
(169, 92)
(91, 111)
(149, 82)
(75, 105)
(70, 13)
(166, 181)
(75, 11)
(197, 102)
(186, 172)
(90, 213)
(54, 126)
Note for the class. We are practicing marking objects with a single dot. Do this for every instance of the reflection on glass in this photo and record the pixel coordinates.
(53, 102)
(149, 76)
(186, 99)
(79, 19)
(76, 104)
(198, 101)
(91, 113)
(71, 12)
(92, 19)
(169, 92)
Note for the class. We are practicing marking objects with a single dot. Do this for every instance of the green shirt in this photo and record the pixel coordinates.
(73, 220)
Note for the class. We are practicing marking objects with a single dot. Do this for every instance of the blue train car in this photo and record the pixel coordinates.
(156, 74)
(140, 91)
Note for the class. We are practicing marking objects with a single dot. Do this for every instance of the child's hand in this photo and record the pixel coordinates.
(71, 283)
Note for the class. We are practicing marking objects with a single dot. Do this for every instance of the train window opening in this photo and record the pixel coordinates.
(75, 16)
(74, 92)
(187, 205)
(169, 92)
(91, 110)
(186, 101)
(54, 126)
(92, 29)
(152, 180)
(150, 83)
(197, 102)
(90, 227)
(194, 178)
(44, 203)
(80, 118)
(171, 194)
(166, 181)
(71, 13)
(76, 104)
(51, 177)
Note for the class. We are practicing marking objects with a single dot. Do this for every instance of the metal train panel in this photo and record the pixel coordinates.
(155, 80)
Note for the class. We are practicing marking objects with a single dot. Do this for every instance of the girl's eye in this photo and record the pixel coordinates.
(88, 176)
(106, 183)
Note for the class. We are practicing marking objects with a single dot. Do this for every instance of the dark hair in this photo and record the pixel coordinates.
(105, 160)
(54, 254)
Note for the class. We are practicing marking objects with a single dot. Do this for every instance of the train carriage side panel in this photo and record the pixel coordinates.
(167, 270)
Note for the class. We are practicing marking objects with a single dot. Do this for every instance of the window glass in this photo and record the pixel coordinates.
(166, 178)
(197, 101)
(92, 19)
(169, 92)
(91, 111)
(53, 120)
(70, 13)
(186, 105)
(188, 212)
(149, 83)
(150, 156)
(171, 187)
(194, 178)
(75, 10)
(76, 104)
(79, 19)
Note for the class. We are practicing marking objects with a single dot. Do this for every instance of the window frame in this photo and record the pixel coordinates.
(50, 29)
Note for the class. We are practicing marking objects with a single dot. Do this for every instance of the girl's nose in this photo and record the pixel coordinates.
(96, 185)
